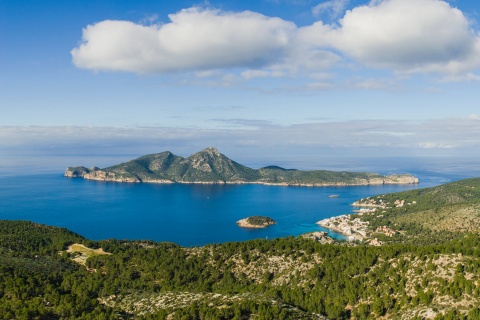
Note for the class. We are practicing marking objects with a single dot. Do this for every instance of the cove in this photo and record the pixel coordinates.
(189, 215)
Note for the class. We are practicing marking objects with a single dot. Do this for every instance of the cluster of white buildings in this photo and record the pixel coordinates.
(355, 229)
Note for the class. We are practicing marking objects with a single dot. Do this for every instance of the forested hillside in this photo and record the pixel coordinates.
(289, 278)
(427, 215)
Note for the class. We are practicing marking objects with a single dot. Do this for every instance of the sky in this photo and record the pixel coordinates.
(264, 81)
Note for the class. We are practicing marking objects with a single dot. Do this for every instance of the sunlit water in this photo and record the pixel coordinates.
(185, 214)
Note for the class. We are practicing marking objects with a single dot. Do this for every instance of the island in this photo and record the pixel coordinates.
(211, 167)
(256, 222)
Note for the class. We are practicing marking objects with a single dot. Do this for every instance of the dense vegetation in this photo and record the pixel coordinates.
(278, 279)
(209, 165)
(260, 221)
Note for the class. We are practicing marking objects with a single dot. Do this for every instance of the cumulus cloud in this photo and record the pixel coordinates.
(194, 39)
(408, 36)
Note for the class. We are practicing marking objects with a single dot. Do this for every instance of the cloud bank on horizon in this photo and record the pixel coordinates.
(404, 36)
(453, 137)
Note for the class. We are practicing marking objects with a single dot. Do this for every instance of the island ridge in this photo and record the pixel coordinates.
(210, 166)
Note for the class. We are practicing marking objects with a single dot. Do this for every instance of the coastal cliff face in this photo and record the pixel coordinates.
(109, 176)
(97, 174)
(76, 172)
(395, 179)
(211, 167)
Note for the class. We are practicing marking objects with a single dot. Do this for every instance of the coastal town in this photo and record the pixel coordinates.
(355, 229)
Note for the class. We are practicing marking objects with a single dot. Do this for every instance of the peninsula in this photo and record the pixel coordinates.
(211, 167)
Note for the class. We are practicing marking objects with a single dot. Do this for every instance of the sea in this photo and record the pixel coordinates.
(195, 215)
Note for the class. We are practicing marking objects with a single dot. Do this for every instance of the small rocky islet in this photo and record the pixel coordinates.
(256, 222)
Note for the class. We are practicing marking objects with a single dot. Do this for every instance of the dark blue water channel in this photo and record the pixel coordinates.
(185, 214)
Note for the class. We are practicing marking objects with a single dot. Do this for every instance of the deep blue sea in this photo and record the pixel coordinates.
(189, 215)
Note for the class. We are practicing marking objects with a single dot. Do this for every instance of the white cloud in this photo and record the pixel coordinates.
(453, 133)
(434, 145)
(334, 7)
(406, 36)
(273, 72)
(460, 77)
(371, 84)
(195, 39)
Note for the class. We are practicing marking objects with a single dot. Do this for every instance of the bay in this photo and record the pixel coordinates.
(33, 188)
(188, 215)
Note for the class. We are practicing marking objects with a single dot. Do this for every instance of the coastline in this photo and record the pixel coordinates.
(354, 230)
(221, 182)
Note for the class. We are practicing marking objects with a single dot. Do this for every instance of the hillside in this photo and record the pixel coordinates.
(422, 215)
(289, 278)
(210, 166)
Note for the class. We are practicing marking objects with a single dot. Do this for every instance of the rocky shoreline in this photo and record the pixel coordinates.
(97, 174)
(211, 167)
(354, 229)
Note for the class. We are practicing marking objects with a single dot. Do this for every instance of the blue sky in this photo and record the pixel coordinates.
(256, 79)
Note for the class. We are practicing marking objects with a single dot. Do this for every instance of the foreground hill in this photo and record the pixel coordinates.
(210, 166)
(289, 278)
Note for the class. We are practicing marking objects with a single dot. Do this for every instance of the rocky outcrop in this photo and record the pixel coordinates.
(101, 175)
(398, 179)
(318, 236)
(76, 172)
(97, 174)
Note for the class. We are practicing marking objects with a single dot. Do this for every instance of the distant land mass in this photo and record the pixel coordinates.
(210, 166)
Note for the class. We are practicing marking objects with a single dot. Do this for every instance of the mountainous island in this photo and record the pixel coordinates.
(424, 264)
(210, 166)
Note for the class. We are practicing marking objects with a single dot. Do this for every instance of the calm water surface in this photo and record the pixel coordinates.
(185, 214)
